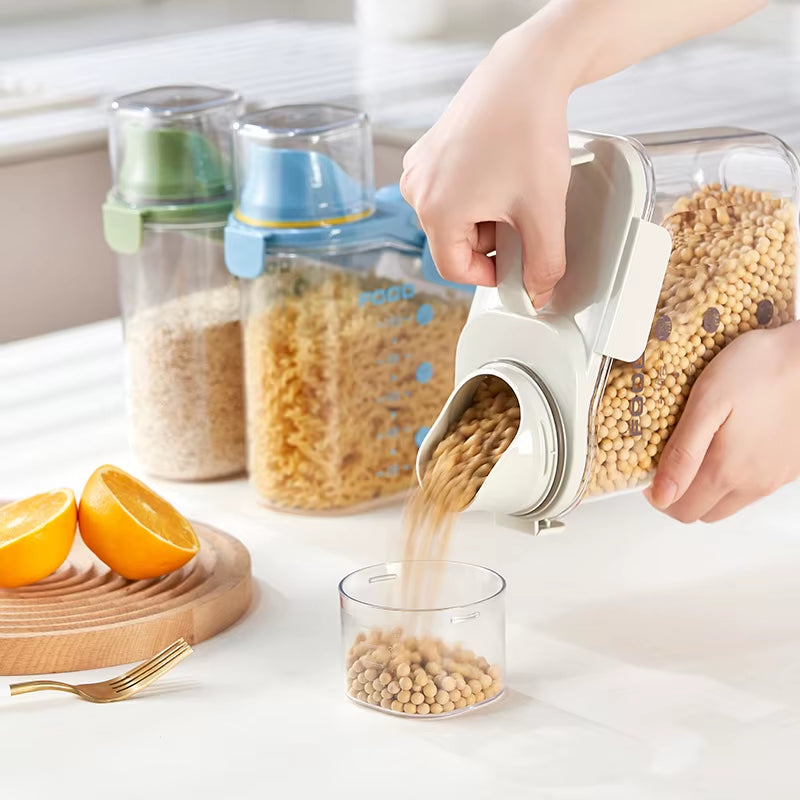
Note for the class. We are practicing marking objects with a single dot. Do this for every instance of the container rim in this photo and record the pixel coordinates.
(478, 567)
(268, 123)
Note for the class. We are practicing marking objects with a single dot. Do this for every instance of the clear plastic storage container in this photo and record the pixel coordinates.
(729, 201)
(349, 332)
(677, 243)
(423, 638)
(165, 217)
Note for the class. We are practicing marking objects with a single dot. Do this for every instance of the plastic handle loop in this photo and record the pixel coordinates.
(510, 286)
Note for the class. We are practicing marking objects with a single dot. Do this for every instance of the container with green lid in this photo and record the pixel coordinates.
(165, 215)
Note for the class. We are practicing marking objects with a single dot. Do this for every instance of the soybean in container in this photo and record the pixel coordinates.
(677, 244)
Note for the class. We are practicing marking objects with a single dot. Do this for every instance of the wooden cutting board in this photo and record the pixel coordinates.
(84, 616)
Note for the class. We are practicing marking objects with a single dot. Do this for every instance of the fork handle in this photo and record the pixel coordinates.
(40, 686)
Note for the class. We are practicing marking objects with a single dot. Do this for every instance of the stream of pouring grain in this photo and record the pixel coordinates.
(458, 467)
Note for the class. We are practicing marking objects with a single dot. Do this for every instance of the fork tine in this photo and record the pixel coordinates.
(147, 668)
(165, 653)
(145, 680)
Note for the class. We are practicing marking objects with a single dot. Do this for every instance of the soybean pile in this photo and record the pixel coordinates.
(731, 270)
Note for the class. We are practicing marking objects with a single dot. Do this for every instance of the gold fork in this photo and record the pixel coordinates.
(120, 688)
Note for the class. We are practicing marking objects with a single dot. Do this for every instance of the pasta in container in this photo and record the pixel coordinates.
(349, 332)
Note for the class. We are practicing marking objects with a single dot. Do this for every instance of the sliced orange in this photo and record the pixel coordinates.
(36, 536)
(132, 529)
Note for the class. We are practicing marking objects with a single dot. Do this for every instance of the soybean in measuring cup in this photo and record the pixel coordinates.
(419, 676)
(407, 655)
(732, 270)
(344, 371)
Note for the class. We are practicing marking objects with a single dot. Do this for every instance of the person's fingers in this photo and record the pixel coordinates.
(730, 504)
(543, 250)
(542, 299)
(684, 453)
(457, 261)
(710, 485)
(483, 238)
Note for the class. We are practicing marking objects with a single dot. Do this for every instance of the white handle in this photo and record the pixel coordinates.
(510, 286)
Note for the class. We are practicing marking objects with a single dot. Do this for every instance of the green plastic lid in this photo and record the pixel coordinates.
(163, 165)
(172, 144)
(171, 158)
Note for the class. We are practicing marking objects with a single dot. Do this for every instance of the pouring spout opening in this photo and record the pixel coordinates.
(528, 472)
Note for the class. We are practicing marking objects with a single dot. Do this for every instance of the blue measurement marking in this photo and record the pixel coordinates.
(420, 435)
(424, 372)
(393, 452)
(425, 314)
(394, 377)
(393, 414)
(406, 467)
(379, 473)
(394, 341)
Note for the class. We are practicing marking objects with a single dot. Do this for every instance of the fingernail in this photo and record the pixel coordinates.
(663, 493)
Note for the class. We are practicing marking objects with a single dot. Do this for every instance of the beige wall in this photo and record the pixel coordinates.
(55, 270)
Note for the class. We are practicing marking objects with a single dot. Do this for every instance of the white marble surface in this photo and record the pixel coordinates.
(646, 660)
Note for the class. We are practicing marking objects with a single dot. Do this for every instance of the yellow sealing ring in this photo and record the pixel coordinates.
(318, 223)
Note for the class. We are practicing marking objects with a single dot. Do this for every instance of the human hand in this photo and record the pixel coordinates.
(499, 153)
(739, 437)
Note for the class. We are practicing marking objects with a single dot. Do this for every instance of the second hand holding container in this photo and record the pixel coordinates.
(349, 332)
(165, 216)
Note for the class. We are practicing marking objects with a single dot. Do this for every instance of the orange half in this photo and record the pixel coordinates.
(130, 528)
(36, 535)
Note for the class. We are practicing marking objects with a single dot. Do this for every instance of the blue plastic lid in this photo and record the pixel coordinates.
(303, 166)
(297, 187)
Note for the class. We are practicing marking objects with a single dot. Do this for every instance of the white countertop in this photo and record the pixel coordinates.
(645, 659)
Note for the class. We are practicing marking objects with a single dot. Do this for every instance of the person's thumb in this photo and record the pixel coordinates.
(543, 250)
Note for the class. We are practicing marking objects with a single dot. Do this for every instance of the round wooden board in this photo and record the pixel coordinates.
(84, 616)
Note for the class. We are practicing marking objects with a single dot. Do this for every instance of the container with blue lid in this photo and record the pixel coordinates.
(349, 332)
(165, 216)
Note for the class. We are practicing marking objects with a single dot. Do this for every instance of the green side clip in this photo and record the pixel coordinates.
(124, 225)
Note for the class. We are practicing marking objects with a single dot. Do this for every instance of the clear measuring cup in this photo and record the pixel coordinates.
(423, 638)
